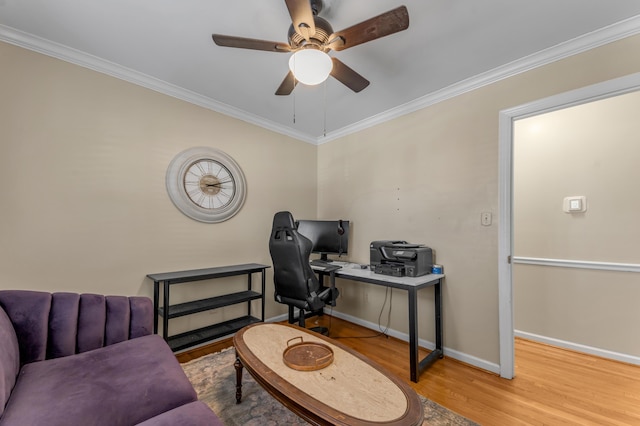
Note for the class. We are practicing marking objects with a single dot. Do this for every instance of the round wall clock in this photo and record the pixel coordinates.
(206, 184)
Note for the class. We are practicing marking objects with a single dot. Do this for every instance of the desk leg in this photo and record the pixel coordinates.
(413, 334)
(156, 305)
(437, 351)
(438, 301)
(264, 280)
(165, 317)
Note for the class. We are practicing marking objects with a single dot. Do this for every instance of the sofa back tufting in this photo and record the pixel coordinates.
(87, 359)
(53, 325)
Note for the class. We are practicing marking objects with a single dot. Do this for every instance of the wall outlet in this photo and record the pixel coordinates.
(486, 218)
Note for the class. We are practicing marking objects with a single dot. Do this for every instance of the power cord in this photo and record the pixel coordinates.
(388, 295)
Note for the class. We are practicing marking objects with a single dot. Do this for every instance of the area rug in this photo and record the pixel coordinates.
(214, 378)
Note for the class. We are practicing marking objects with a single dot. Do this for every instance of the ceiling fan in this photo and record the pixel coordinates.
(312, 38)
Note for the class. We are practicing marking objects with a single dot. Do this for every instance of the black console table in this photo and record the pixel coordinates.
(201, 335)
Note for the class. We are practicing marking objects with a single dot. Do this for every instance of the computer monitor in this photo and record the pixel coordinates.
(329, 237)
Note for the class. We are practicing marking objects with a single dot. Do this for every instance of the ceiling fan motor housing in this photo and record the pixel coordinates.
(317, 6)
(323, 32)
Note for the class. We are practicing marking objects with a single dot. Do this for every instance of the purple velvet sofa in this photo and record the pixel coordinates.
(86, 359)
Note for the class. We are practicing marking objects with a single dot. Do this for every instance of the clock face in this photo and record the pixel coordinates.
(209, 184)
(206, 184)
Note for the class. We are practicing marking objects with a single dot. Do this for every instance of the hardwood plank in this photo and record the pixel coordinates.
(203, 350)
(553, 386)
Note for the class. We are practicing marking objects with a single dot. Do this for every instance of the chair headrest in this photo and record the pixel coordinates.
(283, 220)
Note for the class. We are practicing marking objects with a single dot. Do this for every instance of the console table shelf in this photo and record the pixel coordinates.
(202, 335)
(202, 305)
(214, 331)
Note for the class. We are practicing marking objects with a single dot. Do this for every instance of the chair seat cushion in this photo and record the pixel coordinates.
(122, 384)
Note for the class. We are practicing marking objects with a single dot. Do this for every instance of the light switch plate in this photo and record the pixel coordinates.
(575, 204)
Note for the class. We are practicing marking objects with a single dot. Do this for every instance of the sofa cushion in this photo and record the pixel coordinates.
(29, 313)
(9, 358)
(193, 414)
(122, 384)
(117, 331)
(63, 325)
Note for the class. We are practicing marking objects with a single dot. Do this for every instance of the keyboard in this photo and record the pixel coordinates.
(317, 263)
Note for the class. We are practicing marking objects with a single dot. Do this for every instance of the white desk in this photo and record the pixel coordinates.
(411, 285)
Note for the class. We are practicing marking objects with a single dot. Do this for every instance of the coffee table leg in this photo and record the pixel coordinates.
(238, 366)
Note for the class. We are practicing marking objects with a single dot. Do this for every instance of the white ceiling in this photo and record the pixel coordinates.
(450, 46)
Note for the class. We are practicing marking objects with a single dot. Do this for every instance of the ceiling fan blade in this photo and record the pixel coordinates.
(250, 43)
(347, 76)
(287, 85)
(379, 26)
(302, 17)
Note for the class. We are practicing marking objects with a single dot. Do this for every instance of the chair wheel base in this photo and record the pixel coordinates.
(321, 330)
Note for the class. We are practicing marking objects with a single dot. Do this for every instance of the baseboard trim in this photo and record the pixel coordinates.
(278, 318)
(460, 356)
(603, 353)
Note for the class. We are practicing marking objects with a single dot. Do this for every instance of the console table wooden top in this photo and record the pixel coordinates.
(352, 390)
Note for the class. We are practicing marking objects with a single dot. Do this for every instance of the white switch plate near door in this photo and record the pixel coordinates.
(575, 204)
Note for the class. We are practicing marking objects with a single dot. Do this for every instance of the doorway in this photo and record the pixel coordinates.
(507, 118)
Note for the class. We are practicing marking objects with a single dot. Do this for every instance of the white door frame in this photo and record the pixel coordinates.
(618, 86)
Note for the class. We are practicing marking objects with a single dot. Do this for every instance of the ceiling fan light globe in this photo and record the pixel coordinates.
(310, 66)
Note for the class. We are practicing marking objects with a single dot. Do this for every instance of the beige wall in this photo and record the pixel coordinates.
(83, 158)
(427, 176)
(591, 150)
(84, 207)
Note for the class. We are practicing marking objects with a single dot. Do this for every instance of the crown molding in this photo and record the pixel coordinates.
(597, 38)
(77, 57)
(577, 45)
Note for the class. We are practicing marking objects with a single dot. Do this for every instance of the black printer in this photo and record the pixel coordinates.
(400, 258)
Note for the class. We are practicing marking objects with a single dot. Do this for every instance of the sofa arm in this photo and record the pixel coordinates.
(52, 325)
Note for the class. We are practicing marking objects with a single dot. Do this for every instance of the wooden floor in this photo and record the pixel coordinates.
(552, 386)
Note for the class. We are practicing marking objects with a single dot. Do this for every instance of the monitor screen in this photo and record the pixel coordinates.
(327, 236)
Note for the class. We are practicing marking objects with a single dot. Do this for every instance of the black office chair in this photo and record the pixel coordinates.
(295, 282)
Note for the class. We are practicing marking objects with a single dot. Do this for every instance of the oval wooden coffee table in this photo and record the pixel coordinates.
(352, 390)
